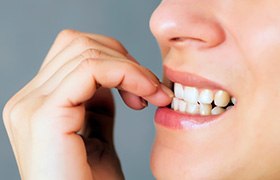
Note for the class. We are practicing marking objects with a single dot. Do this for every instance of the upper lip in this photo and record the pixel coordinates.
(192, 80)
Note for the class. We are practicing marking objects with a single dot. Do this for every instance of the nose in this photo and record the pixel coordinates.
(186, 23)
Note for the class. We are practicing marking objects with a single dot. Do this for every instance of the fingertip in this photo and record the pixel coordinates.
(166, 90)
(162, 97)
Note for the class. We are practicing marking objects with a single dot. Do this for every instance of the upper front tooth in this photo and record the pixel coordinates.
(221, 99)
(206, 96)
(179, 91)
(191, 94)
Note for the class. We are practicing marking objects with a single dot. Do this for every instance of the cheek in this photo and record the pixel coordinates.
(262, 49)
(262, 53)
(260, 43)
(258, 37)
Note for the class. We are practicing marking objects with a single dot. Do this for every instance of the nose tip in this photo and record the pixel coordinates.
(174, 25)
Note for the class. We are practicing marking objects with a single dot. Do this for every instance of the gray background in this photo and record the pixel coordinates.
(28, 29)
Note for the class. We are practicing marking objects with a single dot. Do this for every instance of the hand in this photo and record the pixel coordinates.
(60, 124)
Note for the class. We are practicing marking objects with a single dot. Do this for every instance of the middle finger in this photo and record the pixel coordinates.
(74, 49)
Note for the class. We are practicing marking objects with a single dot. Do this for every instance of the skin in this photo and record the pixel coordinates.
(233, 43)
(59, 130)
(236, 44)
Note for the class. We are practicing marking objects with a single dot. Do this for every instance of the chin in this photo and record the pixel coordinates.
(175, 156)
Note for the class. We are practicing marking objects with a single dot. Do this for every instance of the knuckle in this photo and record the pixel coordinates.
(91, 53)
(67, 34)
(6, 113)
(12, 113)
(83, 41)
(16, 113)
(87, 64)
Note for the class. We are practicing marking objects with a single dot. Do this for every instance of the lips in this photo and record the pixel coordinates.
(197, 101)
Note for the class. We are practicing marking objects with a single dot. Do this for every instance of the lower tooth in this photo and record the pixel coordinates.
(175, 104)
(192, 108)
(205, 109)
(217, 110)
(182, 106)
(229, 107)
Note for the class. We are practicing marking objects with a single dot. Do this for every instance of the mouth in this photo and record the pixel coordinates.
(197, 101)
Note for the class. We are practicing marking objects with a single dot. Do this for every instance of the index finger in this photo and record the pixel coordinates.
(65, 37)
(81, 84)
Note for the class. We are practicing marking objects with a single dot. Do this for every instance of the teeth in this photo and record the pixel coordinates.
(194, 101)
(191, 94)
(217, 110)
(178, 90)
(205, 109)
(175, 104)
(229, 107)
(192, 108)
(182, 106)
(221, 99)
(233, 100)
(206, 96)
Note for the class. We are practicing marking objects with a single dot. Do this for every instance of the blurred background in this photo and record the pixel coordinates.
(27, 31)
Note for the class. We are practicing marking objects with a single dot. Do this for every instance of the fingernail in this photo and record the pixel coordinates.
(167, 90)
(144, 103)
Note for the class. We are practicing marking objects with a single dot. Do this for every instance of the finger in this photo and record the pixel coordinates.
(49, 80)
(93, 72)
(65, 38)
(77, 46)
(159, 98)
(133, 101)
(63, 41)
(44, 76)
(80, 85)
(51, 83)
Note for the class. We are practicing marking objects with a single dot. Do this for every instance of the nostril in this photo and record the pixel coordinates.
(177, 39)
(186, 41)
(182, 39)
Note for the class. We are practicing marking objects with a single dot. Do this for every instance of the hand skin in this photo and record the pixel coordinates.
(60, 124)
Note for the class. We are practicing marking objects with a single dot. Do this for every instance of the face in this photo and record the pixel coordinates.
(216, 51)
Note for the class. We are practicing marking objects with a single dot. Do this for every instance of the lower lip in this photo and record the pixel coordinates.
(175, 120)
